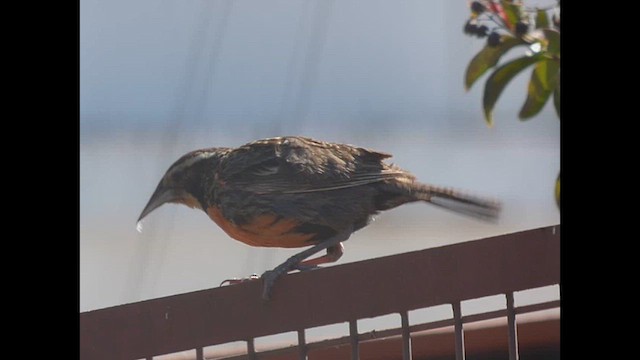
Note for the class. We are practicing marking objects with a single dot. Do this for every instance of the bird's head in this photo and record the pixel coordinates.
(185, 181)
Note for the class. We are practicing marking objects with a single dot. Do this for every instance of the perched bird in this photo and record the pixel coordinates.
(294, 192)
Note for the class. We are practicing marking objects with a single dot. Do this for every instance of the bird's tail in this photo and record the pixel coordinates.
(478, 207)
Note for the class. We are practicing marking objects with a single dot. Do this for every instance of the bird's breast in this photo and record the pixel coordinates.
(265, 230)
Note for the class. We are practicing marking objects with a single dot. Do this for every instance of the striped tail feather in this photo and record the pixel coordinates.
(459, 202)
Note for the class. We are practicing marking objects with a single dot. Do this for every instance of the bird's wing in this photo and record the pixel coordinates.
(298, 165)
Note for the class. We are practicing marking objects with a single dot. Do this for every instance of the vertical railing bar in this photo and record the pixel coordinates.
(459, 334)
(406, 336)
(302, 345)
(199, 353)
(251, 349)
(511, 325)
(355, 345)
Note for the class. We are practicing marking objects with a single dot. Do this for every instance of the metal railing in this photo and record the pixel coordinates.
(339, 294)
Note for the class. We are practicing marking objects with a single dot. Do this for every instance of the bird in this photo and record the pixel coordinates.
(295, 191)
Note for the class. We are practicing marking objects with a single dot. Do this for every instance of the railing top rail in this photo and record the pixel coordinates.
(364, 289)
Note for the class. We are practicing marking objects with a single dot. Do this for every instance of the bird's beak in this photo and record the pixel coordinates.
(161, 196)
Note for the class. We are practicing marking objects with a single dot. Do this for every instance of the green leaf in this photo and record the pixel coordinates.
(512, 11)
(542, 20)
(553, 42)
(543, 81)
(487, 58)
(556, 98)
(499, 79)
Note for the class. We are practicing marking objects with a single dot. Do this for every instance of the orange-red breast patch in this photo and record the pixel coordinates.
(265, 230)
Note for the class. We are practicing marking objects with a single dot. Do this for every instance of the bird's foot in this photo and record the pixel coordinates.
(239, 280)
(270, 276)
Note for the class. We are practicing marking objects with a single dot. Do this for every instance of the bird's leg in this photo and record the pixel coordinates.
(334, 253)
(271, 276)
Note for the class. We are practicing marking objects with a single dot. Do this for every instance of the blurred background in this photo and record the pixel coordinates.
(159, 78)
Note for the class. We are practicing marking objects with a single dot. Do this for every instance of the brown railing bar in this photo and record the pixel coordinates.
(329, 343)
(199, 354)
(353, 334)
(451, 273)
(511, 326)
(430, 325)
(503, 312)
(379, 334)
(251, 349)
(459, 334)
(406, 336)
(302, 345)
(537, 307)
(286, 350)
(484, 316)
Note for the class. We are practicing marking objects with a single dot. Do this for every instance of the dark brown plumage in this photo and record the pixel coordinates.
(296, 192)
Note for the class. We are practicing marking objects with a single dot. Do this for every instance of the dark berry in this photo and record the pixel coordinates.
(470, 28)
(494, 39)
(521, 28)
(477, 7)
(482, 31)
(556, 21)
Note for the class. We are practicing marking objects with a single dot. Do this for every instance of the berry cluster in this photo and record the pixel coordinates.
(493, 19)
(470, 28)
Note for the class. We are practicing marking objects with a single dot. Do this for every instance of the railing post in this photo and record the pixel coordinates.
(355, 344)
(302, 345)
(511, 325)
(457, 327)
(406, 336)
(199, 354)
(251, 349)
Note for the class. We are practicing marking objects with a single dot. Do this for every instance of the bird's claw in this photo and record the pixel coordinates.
(270, 277)
(302, 267)
(239, 280)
